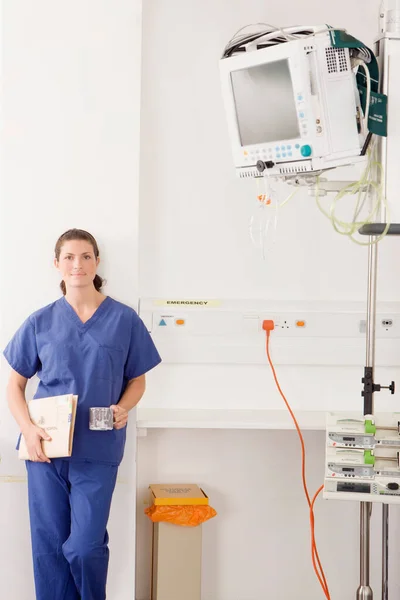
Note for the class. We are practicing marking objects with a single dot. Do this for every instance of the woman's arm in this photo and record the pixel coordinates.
(16, 400)
(130, 398)
(19, 410)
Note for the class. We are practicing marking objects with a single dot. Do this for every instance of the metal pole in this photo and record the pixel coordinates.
(385, 551)
(364, 591)
(383, 149)
(371, 311)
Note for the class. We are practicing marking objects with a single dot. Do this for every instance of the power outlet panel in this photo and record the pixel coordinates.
(230, 332)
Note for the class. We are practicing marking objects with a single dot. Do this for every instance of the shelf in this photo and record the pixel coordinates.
(154, 418)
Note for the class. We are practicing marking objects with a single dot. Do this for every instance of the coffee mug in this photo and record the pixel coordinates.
(101, 418)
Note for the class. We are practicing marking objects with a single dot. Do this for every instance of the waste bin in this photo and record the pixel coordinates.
(177, 512)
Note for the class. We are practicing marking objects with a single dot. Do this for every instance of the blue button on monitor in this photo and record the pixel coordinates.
(297, 146)
(288, 147)
(299, 97)
(301, 115)
(284, 154)
(290, 154)
(278, 156)
(306, 150)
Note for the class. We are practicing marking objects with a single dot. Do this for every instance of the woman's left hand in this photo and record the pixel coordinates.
(120, 416)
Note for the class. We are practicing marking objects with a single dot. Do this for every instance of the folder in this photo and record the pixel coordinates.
(56, 416)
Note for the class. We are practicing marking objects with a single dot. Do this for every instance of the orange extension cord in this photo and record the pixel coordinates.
(314, 552)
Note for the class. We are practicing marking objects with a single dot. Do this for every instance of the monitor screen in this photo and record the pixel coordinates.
(265, 105)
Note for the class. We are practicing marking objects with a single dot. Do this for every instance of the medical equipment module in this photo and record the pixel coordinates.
(292, 107)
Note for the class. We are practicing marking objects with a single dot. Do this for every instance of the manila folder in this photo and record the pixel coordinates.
(56, 415)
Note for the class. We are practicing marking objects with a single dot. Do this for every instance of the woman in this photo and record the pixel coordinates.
(90, 345)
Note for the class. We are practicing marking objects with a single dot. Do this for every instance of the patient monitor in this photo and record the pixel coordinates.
(292, 106)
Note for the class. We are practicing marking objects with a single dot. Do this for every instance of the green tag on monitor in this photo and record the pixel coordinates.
(377, 116)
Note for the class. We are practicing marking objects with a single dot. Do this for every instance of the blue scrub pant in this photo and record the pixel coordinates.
(69, 506)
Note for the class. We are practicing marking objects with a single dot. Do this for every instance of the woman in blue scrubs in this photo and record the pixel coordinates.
(99, 349)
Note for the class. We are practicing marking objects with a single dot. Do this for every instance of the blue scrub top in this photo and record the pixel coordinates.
(94, 360)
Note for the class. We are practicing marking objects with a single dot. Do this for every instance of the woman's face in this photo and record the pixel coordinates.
(77, 263)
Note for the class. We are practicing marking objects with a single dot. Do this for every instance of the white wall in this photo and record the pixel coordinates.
(194, 213)
(194, 242)
(70, 159)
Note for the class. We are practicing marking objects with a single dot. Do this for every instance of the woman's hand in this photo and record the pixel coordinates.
(120, 416)
(33, 438)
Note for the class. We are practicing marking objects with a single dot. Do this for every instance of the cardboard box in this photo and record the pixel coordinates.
(176, 552)
(177, 494)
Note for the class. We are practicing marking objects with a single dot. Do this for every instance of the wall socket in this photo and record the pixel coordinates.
(386, 323)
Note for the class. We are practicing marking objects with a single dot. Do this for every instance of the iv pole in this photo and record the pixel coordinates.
(364, 591)
(389, 30)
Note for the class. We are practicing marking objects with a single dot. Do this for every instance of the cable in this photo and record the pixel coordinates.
(360, 63)
(236, 42)
(366, 144)
(313, 541)
(273, 28)
(289, 197)
(260, 220)
(272, 36)
(314, 552)
(362, 188)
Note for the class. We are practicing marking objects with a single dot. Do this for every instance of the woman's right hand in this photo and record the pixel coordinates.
(33, 439)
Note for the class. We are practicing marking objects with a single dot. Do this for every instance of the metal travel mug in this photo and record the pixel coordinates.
(101, 419)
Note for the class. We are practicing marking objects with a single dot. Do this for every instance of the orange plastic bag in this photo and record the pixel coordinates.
(187, 516)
